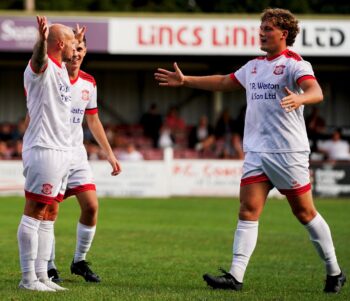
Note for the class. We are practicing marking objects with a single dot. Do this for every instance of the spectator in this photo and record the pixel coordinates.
(227, 129)
(5, 153)
(6, 133)
(18, 132)
(335, 148)
(166, 138)
(151, 122)
(315, 126)
(131, 154)
(201, 136)
(173, 121)
(17, 151)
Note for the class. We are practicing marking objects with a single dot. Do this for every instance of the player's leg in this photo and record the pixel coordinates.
(28, 241)
(86, 229)
(38, 195)
(320, 235)
(255, 187)
(252, 198)
(81, 185)
(51, 214)
(46, 239)
(290, 174)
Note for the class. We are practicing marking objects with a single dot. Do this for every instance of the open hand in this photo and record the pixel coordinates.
(290, 102)
(43, 27)
(168, 78)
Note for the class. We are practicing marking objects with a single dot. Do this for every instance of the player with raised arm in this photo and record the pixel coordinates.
(47, 148)
(275, 142)
(80, 179)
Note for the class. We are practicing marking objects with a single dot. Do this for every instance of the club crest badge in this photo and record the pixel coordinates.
(47, 189)
(85, 95)
(279, 69)
(254, 71)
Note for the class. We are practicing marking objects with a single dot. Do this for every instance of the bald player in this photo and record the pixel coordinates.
(46, 148)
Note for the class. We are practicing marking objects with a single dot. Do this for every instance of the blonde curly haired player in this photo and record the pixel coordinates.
(276, 147)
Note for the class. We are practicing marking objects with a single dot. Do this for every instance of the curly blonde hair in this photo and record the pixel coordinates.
(283, 19)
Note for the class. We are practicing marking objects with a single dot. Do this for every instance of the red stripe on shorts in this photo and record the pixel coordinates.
(79, 189)
(254, 179)
(296, 191)
(59, 198)
(39, 198)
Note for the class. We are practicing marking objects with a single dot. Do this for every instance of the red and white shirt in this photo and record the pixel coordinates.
(49, 105)
(268, 127)
(84, 101)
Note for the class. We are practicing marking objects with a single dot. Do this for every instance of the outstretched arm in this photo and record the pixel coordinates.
(312, 95)
(99, 134)
(212, 82)
(39, 57)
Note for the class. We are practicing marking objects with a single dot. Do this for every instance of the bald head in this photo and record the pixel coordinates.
(60, 42)
(59, 32)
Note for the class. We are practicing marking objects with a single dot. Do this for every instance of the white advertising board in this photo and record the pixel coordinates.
(169, 36)
(149, 178)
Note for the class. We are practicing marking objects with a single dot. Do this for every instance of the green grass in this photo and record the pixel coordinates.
(158, 249)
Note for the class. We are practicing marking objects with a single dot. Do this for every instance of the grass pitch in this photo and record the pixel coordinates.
(158, 249)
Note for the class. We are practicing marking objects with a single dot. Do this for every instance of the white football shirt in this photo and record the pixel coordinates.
(84, 101)
(268, 127)
(49, 104)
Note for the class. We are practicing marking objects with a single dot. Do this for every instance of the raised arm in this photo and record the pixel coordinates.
(312, 95)
(79, 33)
(212, 82)
(99, 134)
(39, 57)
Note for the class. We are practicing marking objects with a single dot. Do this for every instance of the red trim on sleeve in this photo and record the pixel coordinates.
(39, 197)
(305, 77)
(234, 79)
(295, 191)
(91, 111)
(25, 92)
(79, 189)
(254, 179)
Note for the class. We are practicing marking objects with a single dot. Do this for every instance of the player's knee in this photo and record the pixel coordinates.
(249, 214)
(304, 216)
(90, 210)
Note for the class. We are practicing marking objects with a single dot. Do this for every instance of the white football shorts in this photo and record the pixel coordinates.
(288, 172)
(80, 176)
(46, 172)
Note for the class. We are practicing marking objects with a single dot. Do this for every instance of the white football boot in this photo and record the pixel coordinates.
(49, 283)
(35, 286)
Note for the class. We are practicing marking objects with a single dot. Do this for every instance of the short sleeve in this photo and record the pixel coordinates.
(91, 107)
(241, 75)
(303, 71)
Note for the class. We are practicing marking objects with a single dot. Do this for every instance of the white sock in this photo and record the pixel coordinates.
(51, 263)
(46, 236)
(321, 237)
(27, 235)
(246, 236)
(85, 235)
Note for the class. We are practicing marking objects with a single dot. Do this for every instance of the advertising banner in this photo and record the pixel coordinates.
(331, 179)
(196, 36)
(20, 33)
